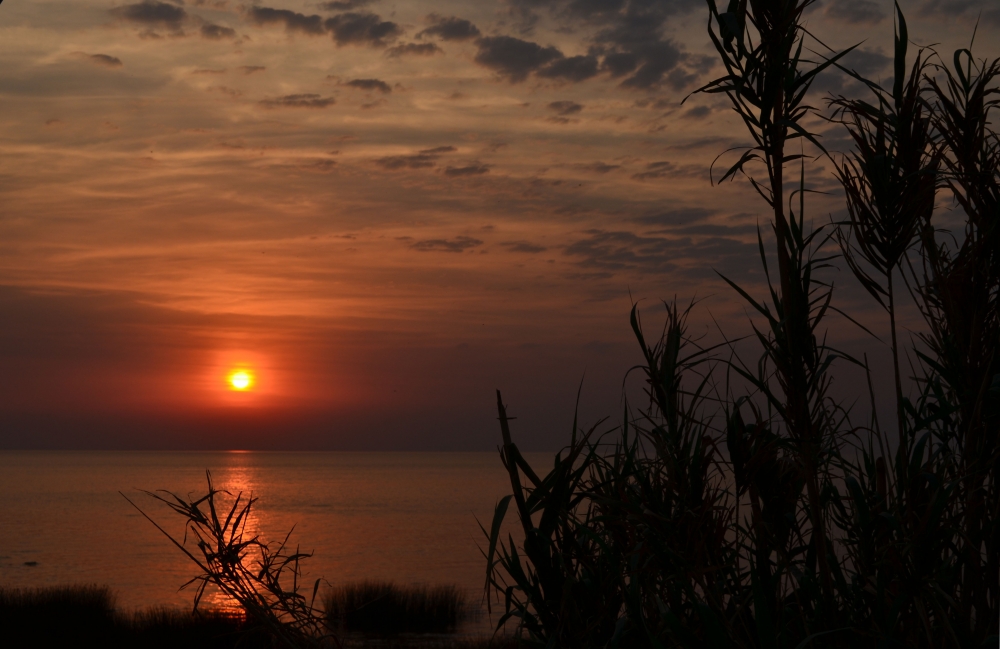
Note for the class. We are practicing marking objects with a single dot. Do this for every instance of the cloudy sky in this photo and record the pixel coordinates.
(384, 209)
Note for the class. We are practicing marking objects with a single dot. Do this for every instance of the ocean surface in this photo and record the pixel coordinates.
(405, 517)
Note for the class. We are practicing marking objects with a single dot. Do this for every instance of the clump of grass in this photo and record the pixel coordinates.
(56, 616)
(387, 608)
(261, 577)
(164, 628)
(72, 616)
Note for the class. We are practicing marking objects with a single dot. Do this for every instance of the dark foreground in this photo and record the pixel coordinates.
(81, 616)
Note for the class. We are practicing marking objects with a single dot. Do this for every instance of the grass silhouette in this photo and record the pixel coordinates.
(742, 507)
(384, 607)
(86, 615)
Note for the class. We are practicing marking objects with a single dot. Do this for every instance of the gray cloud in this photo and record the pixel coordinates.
(571, 68)
(416, 161)
(362, 29)
(413, 49)
(623, 250)
(217, 32)
(675, 217)
(514, 58)
(292, 21)
(866, 62)
(103, 60)
(565, 107)
(371, 85)
(250, 69)
(299, 101)
(855, 12)
(450, 28)
(630, 40)
(153, 14)
(598, 167)
(476, 169)
(693, 255)
(523, 246)
(656, 170)
(424, 159)
(950, 9)
(698, 112)
(344, 5)
(458, 244)
(438, 150)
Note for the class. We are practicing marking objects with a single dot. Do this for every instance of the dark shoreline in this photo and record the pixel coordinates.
(88, 615)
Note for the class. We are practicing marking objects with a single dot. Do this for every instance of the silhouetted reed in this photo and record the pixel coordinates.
(386, 608)
(261, 578)
(742, 507)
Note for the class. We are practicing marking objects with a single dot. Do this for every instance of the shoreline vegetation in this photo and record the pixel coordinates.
(742, 504)
(366, 615)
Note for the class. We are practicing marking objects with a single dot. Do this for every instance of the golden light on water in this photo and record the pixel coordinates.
(240, 380)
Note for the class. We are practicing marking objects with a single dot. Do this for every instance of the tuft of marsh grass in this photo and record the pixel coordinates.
(387, 608)
(36, 617)
(85, 615)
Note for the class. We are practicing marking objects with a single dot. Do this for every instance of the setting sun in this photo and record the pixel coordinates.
(240, 380)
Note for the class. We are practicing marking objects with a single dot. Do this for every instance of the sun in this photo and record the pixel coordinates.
(240, 380)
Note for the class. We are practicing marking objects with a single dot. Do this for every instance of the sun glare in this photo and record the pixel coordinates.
(240, 380)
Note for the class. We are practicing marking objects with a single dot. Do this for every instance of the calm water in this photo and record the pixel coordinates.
(406, 517)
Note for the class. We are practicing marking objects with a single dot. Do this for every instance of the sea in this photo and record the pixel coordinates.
(410, 518)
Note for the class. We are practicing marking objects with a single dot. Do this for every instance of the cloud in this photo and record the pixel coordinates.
(207, 71)
(217, 32)
(423, 159)
(450, 28)
(476, 169)
(299, 101)
(250, 69)
(370, 85)
(630, 42)
(866, 62)
(950, 9)
(693, 255)
(855, 12)
(572, 68)
(458, 244)
(293, 21)
(514, 58)
(153, 14)
(623, 250)
(523, 246)
(698, 112)
(344, 5)
(362, 29)
(416, 161)
(653, 61)
(598, 167)
(565, 107)
(656, 170)
(103, 60)
(413, 49)
(675, 217)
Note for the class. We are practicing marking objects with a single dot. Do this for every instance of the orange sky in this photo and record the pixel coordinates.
(384, 209)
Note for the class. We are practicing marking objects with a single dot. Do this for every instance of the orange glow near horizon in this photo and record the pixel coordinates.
(240, 380)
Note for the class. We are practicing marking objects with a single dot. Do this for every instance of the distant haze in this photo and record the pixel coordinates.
(384, 210)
